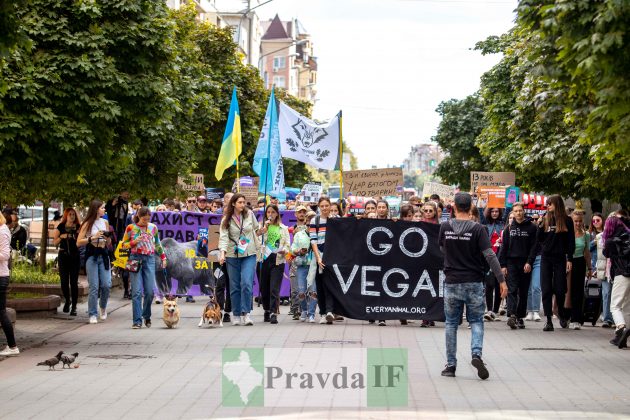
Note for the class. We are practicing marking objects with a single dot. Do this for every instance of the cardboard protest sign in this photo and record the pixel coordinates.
(249, 188)
(193, 182)
(493, 197)
(491, 179)
(373, 182)
(446, 192)
(310, 193)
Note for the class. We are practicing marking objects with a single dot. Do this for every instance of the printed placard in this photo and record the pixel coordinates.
(310, 193)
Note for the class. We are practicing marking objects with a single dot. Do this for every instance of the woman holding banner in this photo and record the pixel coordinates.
(238, 246)
(317, 233)
(275, 249)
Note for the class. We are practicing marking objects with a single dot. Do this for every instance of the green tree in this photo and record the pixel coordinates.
(462, 121)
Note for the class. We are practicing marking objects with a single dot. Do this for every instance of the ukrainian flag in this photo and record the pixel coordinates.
(231, 145)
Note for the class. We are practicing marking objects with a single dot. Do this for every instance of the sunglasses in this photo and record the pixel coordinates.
(191, 201)
(428, 210)
(596, 221)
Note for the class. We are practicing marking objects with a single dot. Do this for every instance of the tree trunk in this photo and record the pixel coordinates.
(44, 244)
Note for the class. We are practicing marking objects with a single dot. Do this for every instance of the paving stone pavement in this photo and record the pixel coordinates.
(159, 373)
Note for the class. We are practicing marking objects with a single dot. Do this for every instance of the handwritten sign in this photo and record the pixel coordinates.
(250, 192)
(310, 193)
(491, 179)
(373, 182)
(196, 184)
(446, 192)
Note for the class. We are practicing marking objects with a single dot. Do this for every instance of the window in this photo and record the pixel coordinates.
(279, 62)
(279, 81)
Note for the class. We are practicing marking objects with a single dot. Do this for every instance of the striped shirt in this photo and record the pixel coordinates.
(317, 233)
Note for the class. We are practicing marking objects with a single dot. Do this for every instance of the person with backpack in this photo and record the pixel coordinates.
(466, 245)
(516, 255)
(317, 233)
(616, 239)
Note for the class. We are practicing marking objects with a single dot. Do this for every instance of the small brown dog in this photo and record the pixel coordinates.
(212, 313)
(171, 312)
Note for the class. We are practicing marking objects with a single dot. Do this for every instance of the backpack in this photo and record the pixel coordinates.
(622, 243)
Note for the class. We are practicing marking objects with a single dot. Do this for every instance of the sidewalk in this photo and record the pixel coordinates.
(159, 373)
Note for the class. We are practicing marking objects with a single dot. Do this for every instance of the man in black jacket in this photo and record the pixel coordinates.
(517, 254)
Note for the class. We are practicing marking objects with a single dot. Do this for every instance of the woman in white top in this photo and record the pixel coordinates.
(5, 256)
(95, 235)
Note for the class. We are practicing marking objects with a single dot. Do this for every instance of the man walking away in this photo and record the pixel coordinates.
(517, 256)
(465, 245)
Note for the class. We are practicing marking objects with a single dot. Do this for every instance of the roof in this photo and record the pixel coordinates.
(277, 30)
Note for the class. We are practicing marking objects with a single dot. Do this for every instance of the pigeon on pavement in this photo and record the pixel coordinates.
(68, 359)
(52, 362)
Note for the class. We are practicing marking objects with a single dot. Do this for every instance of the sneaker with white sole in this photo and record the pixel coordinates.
(247, 320)
(530, 316)
(322, 320)
(236, 320)
(330, 318)
(8, 351)
(311, 319)
(577, 326)
(93, 320)
(103, 313)
(537, 317)
(303, 316)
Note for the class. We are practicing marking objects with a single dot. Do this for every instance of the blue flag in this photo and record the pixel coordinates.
(268, 157)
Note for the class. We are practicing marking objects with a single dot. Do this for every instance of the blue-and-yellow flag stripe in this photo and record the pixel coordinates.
(231, 146)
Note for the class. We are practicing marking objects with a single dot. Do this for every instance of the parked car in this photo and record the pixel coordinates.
(35, 213)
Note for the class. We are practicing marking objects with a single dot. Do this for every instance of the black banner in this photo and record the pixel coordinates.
(381, 269)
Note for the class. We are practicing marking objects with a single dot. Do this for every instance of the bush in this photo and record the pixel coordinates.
(25, 273)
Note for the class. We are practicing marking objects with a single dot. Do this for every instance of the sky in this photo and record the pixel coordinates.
(387, 64)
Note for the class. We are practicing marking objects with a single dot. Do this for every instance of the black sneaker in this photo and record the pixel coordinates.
(66, 307)
(623, 340)
(381, 323)
(564, 323)
(371, 321)
(482, 372)
(226, 317)
(403, 322)
(267, 316)
(548, 326)
(449, 371)
(73, 311)
(512, 322)
(147, 323)
(521, 324)
(273, 319)
(136, 326)
(617, 337)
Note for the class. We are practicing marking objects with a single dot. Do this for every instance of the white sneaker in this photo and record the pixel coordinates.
(571, 325)
(530, 316)
(247, 320)
(311, 319)
(93, 320)
(537, 317)
(236, 320)
(8, 351)
(322, 320)
(103, 312)
(577, 326)
(303, 316)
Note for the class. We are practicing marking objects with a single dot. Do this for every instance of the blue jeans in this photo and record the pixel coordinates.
(307, 295)
(534, 296)
(455, 297)
(143, 280)
(241, 273)
(606, 289)
(99, 279)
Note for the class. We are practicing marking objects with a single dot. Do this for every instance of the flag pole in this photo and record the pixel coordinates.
(238, 179)
(340, 157)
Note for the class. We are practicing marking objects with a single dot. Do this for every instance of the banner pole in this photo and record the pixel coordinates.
(238, 179)
(340, 156)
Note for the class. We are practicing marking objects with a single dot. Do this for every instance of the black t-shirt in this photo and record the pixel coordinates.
(463, 242)
(69, 244)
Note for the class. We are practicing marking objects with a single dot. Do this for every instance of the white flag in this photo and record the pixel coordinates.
(304, 140)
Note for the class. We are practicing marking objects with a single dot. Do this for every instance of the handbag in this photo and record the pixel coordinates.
(133, 266)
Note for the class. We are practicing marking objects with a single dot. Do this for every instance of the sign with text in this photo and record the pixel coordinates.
(381, 269)
(310, 193)
(193, 182)
(373, 182)
(493, 197)
(446, 192)
(215, 193)
(249, 189)
(491, 179)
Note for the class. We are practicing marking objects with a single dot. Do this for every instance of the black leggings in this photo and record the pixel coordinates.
(518, 288)
(7, 327)
(578, 272)
(553, 281)
(270, 278)
(69, 266)
(492, 291)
